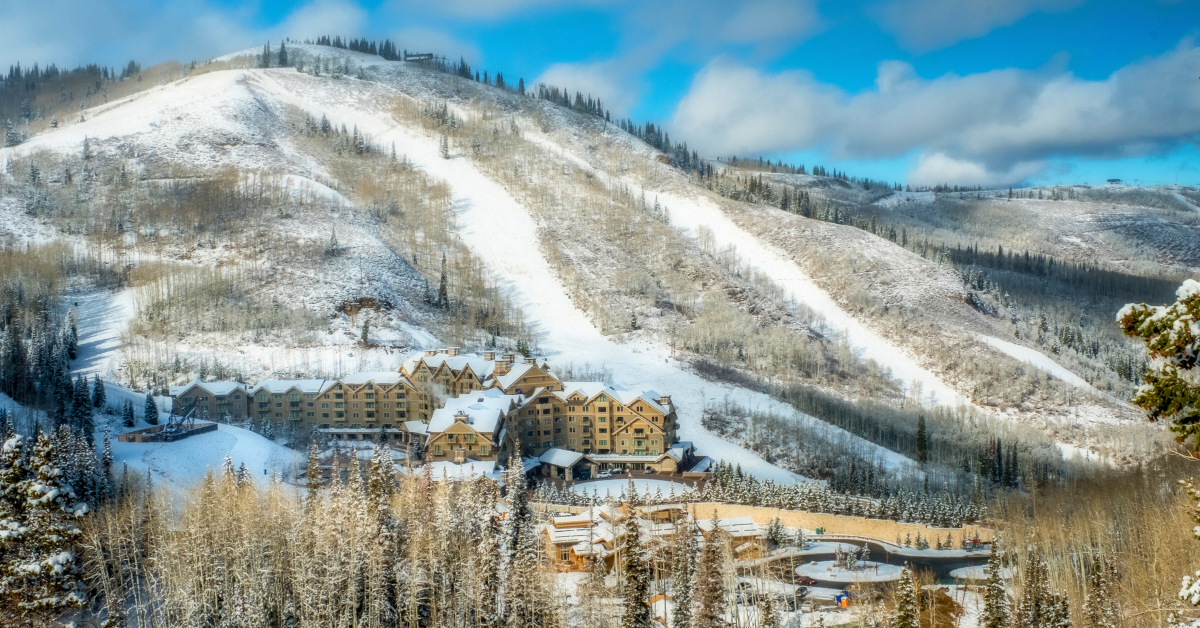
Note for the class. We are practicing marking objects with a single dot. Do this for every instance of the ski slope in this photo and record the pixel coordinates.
(1036, 358)
(497, 229)
(693, 212)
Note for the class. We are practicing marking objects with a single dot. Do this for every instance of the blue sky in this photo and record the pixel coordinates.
(989, 92)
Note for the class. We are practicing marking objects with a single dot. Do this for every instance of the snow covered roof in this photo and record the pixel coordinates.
(587, 389)
(560, 457)
(284, 385)
(481, 367)
(704, 465)
(383, 378)
(214, 388)
(484, 410)
(624, 458)
(416, 427)
(515, 373)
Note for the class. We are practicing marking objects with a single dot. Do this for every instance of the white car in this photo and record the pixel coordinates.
(603, 475)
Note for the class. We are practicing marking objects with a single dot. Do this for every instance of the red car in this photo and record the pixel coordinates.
(805, 581)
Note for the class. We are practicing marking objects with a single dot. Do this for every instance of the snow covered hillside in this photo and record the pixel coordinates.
(359, 193)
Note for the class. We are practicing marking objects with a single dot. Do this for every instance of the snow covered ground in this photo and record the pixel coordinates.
(491, 222)
(649, 488)
(978, 572)
(867, 572)
(692, 212)
(181, 464)
(1036, 358)
(103, 316)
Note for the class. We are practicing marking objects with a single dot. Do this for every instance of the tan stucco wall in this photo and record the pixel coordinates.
(879, 529)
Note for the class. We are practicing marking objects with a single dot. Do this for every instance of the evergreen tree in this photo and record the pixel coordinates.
(1039, 607)
(283, 56)
(127, 418)
(150, 410)
(313, 474)
(267, 430)
(366, 332)
(995, 597)
(636, 582)
(922, 441)
(41, 572)
(1167, 394)
(1100, 608)
(710, 587)
(683, 573)
(82, 409)
(905, 615)
(99, 396)
(106, 459)
(443, 297)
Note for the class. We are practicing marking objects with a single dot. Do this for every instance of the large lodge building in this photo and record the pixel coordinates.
(461, 407)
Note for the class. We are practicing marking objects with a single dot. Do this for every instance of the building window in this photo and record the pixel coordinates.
(604, 443)
(437, 450)
(564, 554)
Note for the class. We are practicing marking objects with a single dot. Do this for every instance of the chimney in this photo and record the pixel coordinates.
(531, 360)
(453, 351)
(461, 417)
(509, 357)
(502, 366)
(665, 401)
(430, 352)
(489, 355)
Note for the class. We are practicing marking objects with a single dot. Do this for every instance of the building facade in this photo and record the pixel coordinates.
(431, 401)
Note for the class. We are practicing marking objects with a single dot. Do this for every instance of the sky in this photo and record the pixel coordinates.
(966, 92)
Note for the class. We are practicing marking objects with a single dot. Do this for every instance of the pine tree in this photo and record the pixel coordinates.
(1100, 608)
(710, 587)
(1039, 607)
(82, 409)
(905, 615)
(46, 537)
(922, 441)
(268, 429)
(366, 332)
(683, 573)
(313, 474)
(99, 396)
(106, 459)
(995, 597)
(150, 411)
(636, 582)
(443, 298)
(128, 419)
(283, 56)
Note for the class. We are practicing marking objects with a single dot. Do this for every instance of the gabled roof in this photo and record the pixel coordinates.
(560, 457)
(382, 378)
(515, 373)
(484, 410)
(481, 367)
(284, 385)
(214, 388)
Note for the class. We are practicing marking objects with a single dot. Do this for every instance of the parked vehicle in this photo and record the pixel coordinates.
(603, 475)
(805, 581)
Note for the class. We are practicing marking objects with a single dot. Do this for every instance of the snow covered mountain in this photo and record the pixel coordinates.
(277, 222)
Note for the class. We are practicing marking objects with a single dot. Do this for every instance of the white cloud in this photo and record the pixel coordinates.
(937, 168)
(323, 17)
(608, 80)
(71, 32)
(995, 120)
(924, 25)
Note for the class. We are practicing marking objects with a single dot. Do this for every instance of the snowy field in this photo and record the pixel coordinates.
(866, 572)
(184, 463)
(978, 572)
(1036, 358)
(602, 488)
